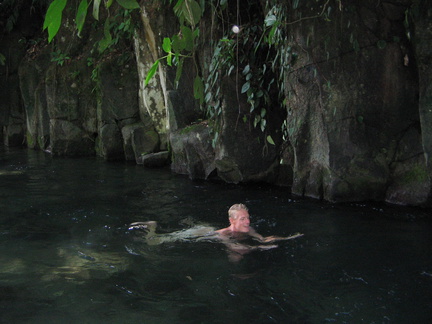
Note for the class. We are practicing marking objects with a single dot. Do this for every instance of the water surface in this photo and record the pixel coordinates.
(66, 255)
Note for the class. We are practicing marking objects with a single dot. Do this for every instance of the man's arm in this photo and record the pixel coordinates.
(273, 238)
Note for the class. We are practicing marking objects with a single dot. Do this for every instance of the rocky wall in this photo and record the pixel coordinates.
(77, 102)
(354, 114)
(356, 106)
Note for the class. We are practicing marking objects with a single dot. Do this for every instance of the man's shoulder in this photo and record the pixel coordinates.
(222, 230)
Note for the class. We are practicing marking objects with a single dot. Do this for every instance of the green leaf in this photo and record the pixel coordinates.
(96, 6)
(53, 18)
(54, 10)
(245, 87)
(151, 72)
(178, 8)
(108, 3)
(246, 69)
(272, 34)
(230, 69)
(179, 72)
(166, 45)
(2, 59)
(191, 11)
(188, 38)
(270, 20)
(107, 40)
(256, 120)
(270, 140)
(199, 89)
(81, 15)
(177, 44)
(250, 93)
(169, 59)
(196, 33)
(128, 4)
(263, 124)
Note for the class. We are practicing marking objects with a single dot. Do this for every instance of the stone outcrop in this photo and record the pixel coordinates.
(74, 103)
(192, 151)
(155, 160)
(243, 153)
(354, 114)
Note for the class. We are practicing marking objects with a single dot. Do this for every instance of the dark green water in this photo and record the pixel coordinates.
(66, 255)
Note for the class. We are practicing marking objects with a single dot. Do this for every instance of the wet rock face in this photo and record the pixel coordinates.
(192, 151)
(67, 139)
(355, 131)
(76, 109)
(357, 112)
(354, 116)
(243, 153)
(423, 49)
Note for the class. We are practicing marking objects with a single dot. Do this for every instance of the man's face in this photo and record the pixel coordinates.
(241, 222)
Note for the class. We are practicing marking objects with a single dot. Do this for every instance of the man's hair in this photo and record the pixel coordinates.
(232, 212)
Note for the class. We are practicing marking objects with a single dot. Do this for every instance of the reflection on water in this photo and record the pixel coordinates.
(65, 251)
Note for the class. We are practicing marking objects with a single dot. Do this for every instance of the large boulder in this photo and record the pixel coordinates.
(156, 160)
(192, 151)
(190, 141)
(144, 141)
(67, 139)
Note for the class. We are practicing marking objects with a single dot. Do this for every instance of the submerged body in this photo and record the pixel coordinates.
(195, 233)
(232, 236)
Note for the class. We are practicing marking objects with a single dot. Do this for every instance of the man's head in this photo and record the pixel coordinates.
(239, 218)
(232, 212)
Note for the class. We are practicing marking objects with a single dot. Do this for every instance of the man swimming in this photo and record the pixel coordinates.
(234, 237)
(239, 218)
(240, 230)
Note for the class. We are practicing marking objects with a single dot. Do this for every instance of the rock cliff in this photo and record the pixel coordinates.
(340, 108)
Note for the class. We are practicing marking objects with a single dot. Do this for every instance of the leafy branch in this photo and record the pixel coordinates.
(182, 45)
(167, 46)
(54, 15)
